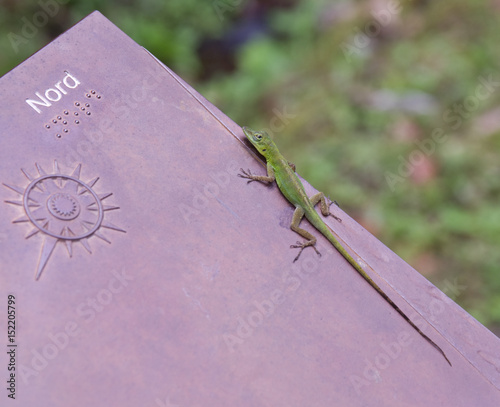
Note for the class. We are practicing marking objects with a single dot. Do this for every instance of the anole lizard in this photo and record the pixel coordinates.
(283, 172)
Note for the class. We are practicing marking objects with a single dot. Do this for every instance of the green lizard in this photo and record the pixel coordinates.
(283, 172)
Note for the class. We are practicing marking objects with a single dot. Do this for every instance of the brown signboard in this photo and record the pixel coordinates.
(137, 269)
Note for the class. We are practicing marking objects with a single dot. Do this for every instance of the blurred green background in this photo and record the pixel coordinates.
(390, 107)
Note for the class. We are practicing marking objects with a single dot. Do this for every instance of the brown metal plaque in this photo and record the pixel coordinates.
(137, 269)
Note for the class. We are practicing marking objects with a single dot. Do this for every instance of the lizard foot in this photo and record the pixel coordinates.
(302, 246)
(333, 202)
(247, 174)
(331, 214)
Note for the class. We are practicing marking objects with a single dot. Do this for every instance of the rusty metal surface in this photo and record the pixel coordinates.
(178, 288)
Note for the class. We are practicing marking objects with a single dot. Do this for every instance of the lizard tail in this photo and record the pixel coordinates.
(318, 224)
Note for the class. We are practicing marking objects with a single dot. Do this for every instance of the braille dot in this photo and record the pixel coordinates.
(54, 121)
(98, 96)
(87, 104)
(59, 117)
(76, 113)
(82, 108)
(88, 95)
(77, 121)
(65, 122)
(77, 103)
(66, 112)
(65, 130)
(47, 126)
(58, 135)
(88, 113)
(93, 92)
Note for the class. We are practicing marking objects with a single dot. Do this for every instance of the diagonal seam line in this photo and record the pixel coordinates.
(201, 102)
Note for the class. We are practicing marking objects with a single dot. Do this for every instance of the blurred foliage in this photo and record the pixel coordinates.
(354, 93)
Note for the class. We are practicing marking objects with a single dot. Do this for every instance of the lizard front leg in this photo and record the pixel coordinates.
(298, 214)
(261, 178)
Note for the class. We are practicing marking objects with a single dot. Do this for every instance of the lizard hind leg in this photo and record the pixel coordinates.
(311, 240)
(325, 207)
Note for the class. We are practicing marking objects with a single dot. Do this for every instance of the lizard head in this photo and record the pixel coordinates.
(260, 140)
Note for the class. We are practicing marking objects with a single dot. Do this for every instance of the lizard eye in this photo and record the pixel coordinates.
(258, 136)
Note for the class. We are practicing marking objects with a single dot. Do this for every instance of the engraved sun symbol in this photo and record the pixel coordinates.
(62, 208)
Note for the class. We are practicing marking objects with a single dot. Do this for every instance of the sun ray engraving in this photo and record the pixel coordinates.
(19, 190)
(21, 219)
(101, 236)
(91, 183)
(32, 232)
(40, 169)
(63, 208)
(56, 168)
(48, 246)
(30, 178)
(18, 203)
